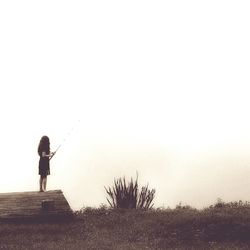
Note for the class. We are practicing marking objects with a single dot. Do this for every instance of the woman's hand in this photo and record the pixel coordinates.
(52, 154)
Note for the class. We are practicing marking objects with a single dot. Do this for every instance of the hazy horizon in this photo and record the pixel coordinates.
(160, 88)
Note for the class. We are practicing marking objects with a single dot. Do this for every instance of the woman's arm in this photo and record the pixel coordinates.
(48, 156)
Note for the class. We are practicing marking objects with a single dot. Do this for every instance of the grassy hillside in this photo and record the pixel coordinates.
(223, 226)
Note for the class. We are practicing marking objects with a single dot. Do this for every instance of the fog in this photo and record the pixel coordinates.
(159, 88)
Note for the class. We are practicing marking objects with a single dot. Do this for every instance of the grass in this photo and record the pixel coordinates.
(225, 226)
(128, 194)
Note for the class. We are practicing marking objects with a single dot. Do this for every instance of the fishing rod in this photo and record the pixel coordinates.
(65, 138)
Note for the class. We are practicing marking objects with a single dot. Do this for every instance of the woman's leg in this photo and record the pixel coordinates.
(41, 183)
(45, 183)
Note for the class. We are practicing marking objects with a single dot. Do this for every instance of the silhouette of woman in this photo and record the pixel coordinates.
(44, 166)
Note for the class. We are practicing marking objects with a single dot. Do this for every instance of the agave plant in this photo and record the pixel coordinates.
(127, 195)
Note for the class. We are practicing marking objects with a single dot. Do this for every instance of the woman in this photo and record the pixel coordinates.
(45, 156)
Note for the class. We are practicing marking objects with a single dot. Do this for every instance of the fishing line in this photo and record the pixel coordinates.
(65, 138)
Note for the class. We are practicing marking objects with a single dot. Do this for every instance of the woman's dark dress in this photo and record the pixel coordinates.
(44, 168)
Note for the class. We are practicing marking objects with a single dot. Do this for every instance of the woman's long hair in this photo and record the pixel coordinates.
(44, 145)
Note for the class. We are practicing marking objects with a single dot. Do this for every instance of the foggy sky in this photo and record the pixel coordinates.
(161, 88)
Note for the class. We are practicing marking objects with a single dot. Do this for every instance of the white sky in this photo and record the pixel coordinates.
(159, 87)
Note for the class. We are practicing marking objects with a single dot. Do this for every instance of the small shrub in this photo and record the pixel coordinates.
(127, 195)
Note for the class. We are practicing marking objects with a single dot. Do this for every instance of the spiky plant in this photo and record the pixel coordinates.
(127, 195)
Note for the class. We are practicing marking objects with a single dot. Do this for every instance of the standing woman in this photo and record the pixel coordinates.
(45, 156)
